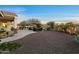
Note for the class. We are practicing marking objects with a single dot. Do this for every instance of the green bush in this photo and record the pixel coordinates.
(76, 39)
(9, 46)
(51, 24)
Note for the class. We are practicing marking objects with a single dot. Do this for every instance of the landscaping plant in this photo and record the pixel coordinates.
(50, 25)
(9, 46)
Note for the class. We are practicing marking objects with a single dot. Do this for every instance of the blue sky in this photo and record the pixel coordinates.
(44, 12)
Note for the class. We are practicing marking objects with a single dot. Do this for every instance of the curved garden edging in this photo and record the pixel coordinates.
(19, 35)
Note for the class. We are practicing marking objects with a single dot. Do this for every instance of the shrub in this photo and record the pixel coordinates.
(51, 24)
(30, 28)
(37, 28)
(9, 46)
(76, 39)
(14, 30)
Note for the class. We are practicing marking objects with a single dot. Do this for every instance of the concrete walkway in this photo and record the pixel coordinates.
(19, 35)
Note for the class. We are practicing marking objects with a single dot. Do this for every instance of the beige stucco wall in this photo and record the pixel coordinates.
(9, 25)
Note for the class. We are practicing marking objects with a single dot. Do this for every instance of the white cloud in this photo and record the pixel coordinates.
(17, 10)
(22, 17)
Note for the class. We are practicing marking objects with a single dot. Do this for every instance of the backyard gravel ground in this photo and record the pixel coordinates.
(47, 42)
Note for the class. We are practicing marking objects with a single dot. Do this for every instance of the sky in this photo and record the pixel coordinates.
(44, 12)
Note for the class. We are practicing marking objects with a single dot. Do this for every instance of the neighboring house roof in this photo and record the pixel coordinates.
(6, 13)
(7, 16)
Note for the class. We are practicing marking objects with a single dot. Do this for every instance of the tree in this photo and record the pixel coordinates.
(68, 27)
(51, 24)
(23, 23)
(33, 21)
(36, 24)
